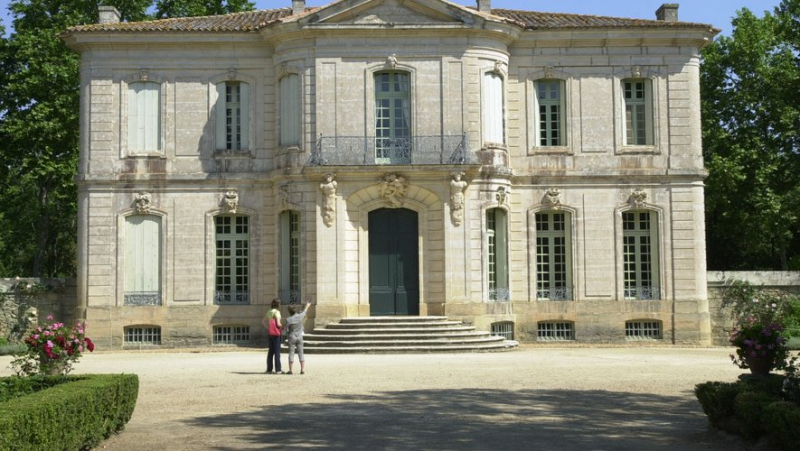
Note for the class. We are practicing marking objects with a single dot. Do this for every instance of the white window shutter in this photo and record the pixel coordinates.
(290, 110)
(244, 106)
(133, 123)
(493, 108)
(143, 254)
(151, 119)
(220, 120)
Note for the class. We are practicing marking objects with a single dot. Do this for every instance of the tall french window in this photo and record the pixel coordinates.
(553, 274)
(232, 282)
(290, 256)
(496, 234)
(638, 112)
(640, 255)
(550, 98)
(392, 117)
(233, 120)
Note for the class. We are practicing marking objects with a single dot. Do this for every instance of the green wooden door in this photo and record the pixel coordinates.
(393, 262)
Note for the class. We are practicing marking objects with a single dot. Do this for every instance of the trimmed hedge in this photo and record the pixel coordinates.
(753, 408)
(77, 414)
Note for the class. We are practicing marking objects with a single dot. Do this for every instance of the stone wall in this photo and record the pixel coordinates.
(721, 323)
(27, 301)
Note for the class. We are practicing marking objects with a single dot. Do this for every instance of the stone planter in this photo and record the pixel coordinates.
(52, 367)
(759, 365)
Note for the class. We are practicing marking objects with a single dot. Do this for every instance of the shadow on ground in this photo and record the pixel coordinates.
(479, 419)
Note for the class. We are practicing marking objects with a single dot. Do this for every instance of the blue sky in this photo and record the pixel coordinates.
(715, 12)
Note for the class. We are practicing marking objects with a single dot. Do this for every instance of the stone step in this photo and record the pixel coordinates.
(506, 345)
(390, 335)
(394, 319)
(307, 343)
(392, 330)
(401, 334)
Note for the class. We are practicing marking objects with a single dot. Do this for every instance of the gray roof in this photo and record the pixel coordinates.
(253, 21)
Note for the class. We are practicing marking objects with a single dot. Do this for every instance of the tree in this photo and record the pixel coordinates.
(189, 8)
(750, 84)
(39, 127)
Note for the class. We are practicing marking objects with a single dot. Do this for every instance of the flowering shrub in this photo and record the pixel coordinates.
(761, 341)
(52, 349)
(758, 333)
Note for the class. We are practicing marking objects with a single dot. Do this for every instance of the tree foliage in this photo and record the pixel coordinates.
(39, 124)
(188, 8)
(750, 85)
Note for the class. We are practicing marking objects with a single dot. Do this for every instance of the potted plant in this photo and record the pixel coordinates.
(758, 332)
(52, 349)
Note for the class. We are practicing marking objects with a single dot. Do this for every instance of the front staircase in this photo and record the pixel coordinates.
(401, 334)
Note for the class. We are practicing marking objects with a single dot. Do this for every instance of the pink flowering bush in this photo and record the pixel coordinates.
(756, 340)
(52, 349)
(758, 333)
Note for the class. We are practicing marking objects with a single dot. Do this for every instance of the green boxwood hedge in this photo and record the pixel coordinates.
(76, 414)
(753, 408)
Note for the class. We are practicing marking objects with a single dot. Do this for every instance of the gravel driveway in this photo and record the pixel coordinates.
(537, 397)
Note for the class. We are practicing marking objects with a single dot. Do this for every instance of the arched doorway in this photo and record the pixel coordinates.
(393, 262)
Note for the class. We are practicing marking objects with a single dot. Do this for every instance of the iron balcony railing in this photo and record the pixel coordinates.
(227, 298)
(643, 293)
(554, 294)
(142, 298)
(374, 151)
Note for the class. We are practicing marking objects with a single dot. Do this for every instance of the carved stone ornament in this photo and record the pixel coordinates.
(498, 67)
(391, 61)
(553, 197)
(141, 202)
(328, 188)
(232, 74)
(638, 198)
(549, 72)
(636, 71)
(501, 195)
(144, 75)
(283, 194)
(392, 188)
(231, 201)
(457, 187)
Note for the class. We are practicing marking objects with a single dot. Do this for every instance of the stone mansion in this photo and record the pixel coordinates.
(533, 173)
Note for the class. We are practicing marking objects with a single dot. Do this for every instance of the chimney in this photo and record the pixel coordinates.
(485, 6)
(108, 14)
(668, 12)
(298, 7)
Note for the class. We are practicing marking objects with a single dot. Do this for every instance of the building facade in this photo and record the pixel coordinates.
(535, 171)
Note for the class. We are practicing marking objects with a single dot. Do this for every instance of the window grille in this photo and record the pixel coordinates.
(643, 330)
(232, 260)
(503, 329)
(143, 335)
(231, 334)
(555, 331)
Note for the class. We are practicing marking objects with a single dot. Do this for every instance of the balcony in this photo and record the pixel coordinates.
(373, 151)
